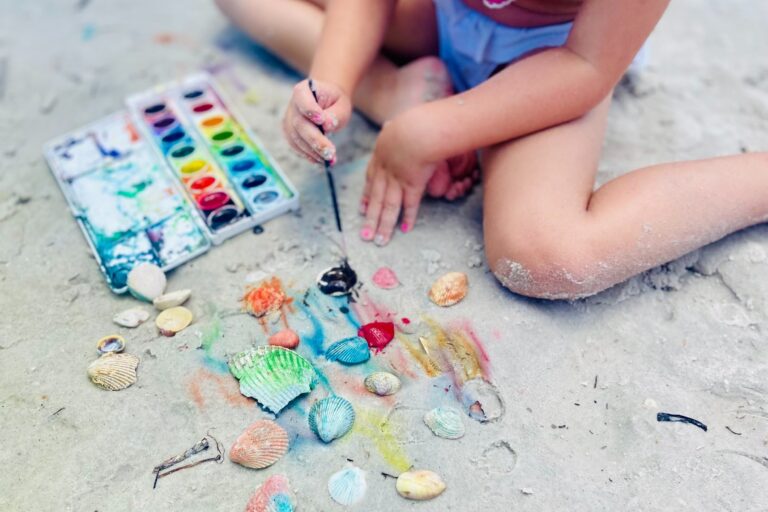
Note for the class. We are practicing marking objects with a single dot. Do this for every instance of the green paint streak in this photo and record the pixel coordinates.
(212, 333)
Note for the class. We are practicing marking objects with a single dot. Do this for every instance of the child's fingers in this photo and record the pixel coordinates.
(337, 115)
(317, 142)
(411, 202)
(390, 211)
(305, 103)
(303, 149)
(365, 199)
(378, 188)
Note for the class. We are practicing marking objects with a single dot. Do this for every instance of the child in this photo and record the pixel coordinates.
(534, 80)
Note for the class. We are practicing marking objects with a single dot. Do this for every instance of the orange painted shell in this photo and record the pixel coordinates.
(261, 445)
(449, 289)
(287, 338)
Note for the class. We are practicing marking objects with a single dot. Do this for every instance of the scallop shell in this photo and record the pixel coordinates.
(114, 371)
(331, 417)
(146, 281)
(111, 343)
(274, 495)
(385, 278)
(260, 445)
(347, 486)
(273, 375)
(445, 422)
(449, 289)
(173, 320)
(131, 318)
(419, 485)
(171, 299)
(287, 338)
(352, 350)
(382, 383)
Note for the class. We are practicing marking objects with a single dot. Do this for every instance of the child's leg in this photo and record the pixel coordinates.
(291, 30)
(549, 235)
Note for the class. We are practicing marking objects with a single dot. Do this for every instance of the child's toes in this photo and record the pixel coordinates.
(440, 182)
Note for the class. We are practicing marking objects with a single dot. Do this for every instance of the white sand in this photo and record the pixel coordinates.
(688, 338)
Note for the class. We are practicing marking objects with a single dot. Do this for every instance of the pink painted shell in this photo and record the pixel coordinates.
(385, 278)
(287, 338)
(261, 445)
(273, 495)
(449, 289)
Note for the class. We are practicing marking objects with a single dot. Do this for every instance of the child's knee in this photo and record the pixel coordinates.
(542, 265)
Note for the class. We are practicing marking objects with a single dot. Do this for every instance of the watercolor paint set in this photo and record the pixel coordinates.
(162, 182)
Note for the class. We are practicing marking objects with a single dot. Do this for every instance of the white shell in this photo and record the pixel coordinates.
(146, 281)
(171, 299)
(419, 485)
(173, 320)
(131, 318)
(347, 486)
(113, 371)
(382, 383)
(445, 422)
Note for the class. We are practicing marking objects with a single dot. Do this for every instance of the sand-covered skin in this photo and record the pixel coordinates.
(581, 382)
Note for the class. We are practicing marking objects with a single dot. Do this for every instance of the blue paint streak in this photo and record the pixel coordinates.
(314, 340)
(215, 364)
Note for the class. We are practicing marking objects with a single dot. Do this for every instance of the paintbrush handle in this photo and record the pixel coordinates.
(328, 173)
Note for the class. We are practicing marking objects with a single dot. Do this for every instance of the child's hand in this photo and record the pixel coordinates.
(332, 111)
(395, 180)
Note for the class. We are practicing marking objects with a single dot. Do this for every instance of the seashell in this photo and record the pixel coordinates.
(419, 485)
(347, 486)
(445, 422)
(274, 495)
(382, 383)
(482, 400)
(173, 320)
(146, 281)
(449, 289)
(260, 445)
(171, 299)
(385, 278)
(331, 417)
(273, 375)
(352, 350)
(131, 318)
(111, 343)
(114, 371)
(287, 338)
(377, 334)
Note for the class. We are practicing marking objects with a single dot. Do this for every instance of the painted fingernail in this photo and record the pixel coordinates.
(316, 117)
(333, 160)
(334, 120)
(328, 154)
(379, 240)
(366, 234)
(404, 227)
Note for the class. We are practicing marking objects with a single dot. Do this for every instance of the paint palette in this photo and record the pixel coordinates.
(231, 180)
(162, 182)
(127, 205)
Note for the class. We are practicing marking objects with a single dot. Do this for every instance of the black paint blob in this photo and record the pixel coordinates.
(337, 281)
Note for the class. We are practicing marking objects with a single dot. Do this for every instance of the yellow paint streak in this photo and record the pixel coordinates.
(431, 367)
(458, 351)
(378, 429)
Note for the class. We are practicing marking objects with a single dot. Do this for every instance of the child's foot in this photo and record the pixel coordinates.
(427, 79)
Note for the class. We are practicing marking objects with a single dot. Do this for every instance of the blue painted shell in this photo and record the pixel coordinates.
(331, 417)
(352, 350)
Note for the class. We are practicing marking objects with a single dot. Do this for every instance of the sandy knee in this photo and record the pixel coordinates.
(546, 268)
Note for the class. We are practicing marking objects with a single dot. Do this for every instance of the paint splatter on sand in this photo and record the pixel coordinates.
(200, 384)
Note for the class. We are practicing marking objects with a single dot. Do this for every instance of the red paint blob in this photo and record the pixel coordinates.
(377, 334)
(405, 320)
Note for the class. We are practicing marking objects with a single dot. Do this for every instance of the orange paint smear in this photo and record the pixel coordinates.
(265, 298)
(227, 389)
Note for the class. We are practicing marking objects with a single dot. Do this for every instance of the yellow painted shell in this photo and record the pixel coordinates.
(419, 485)
(171, 299)
(260, 445)
(449, 289)
(113, 371)
(173, 320)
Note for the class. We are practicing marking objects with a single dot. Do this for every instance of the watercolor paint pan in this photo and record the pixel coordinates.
(206, 184)
(223, 140)
(127, 205)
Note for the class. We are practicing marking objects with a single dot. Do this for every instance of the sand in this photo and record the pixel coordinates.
(582, 382)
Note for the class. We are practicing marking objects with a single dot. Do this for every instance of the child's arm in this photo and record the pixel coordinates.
(551, 87)
(353, 33)
(543, 90)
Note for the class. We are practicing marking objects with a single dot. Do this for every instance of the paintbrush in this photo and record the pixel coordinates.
(331, 184)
